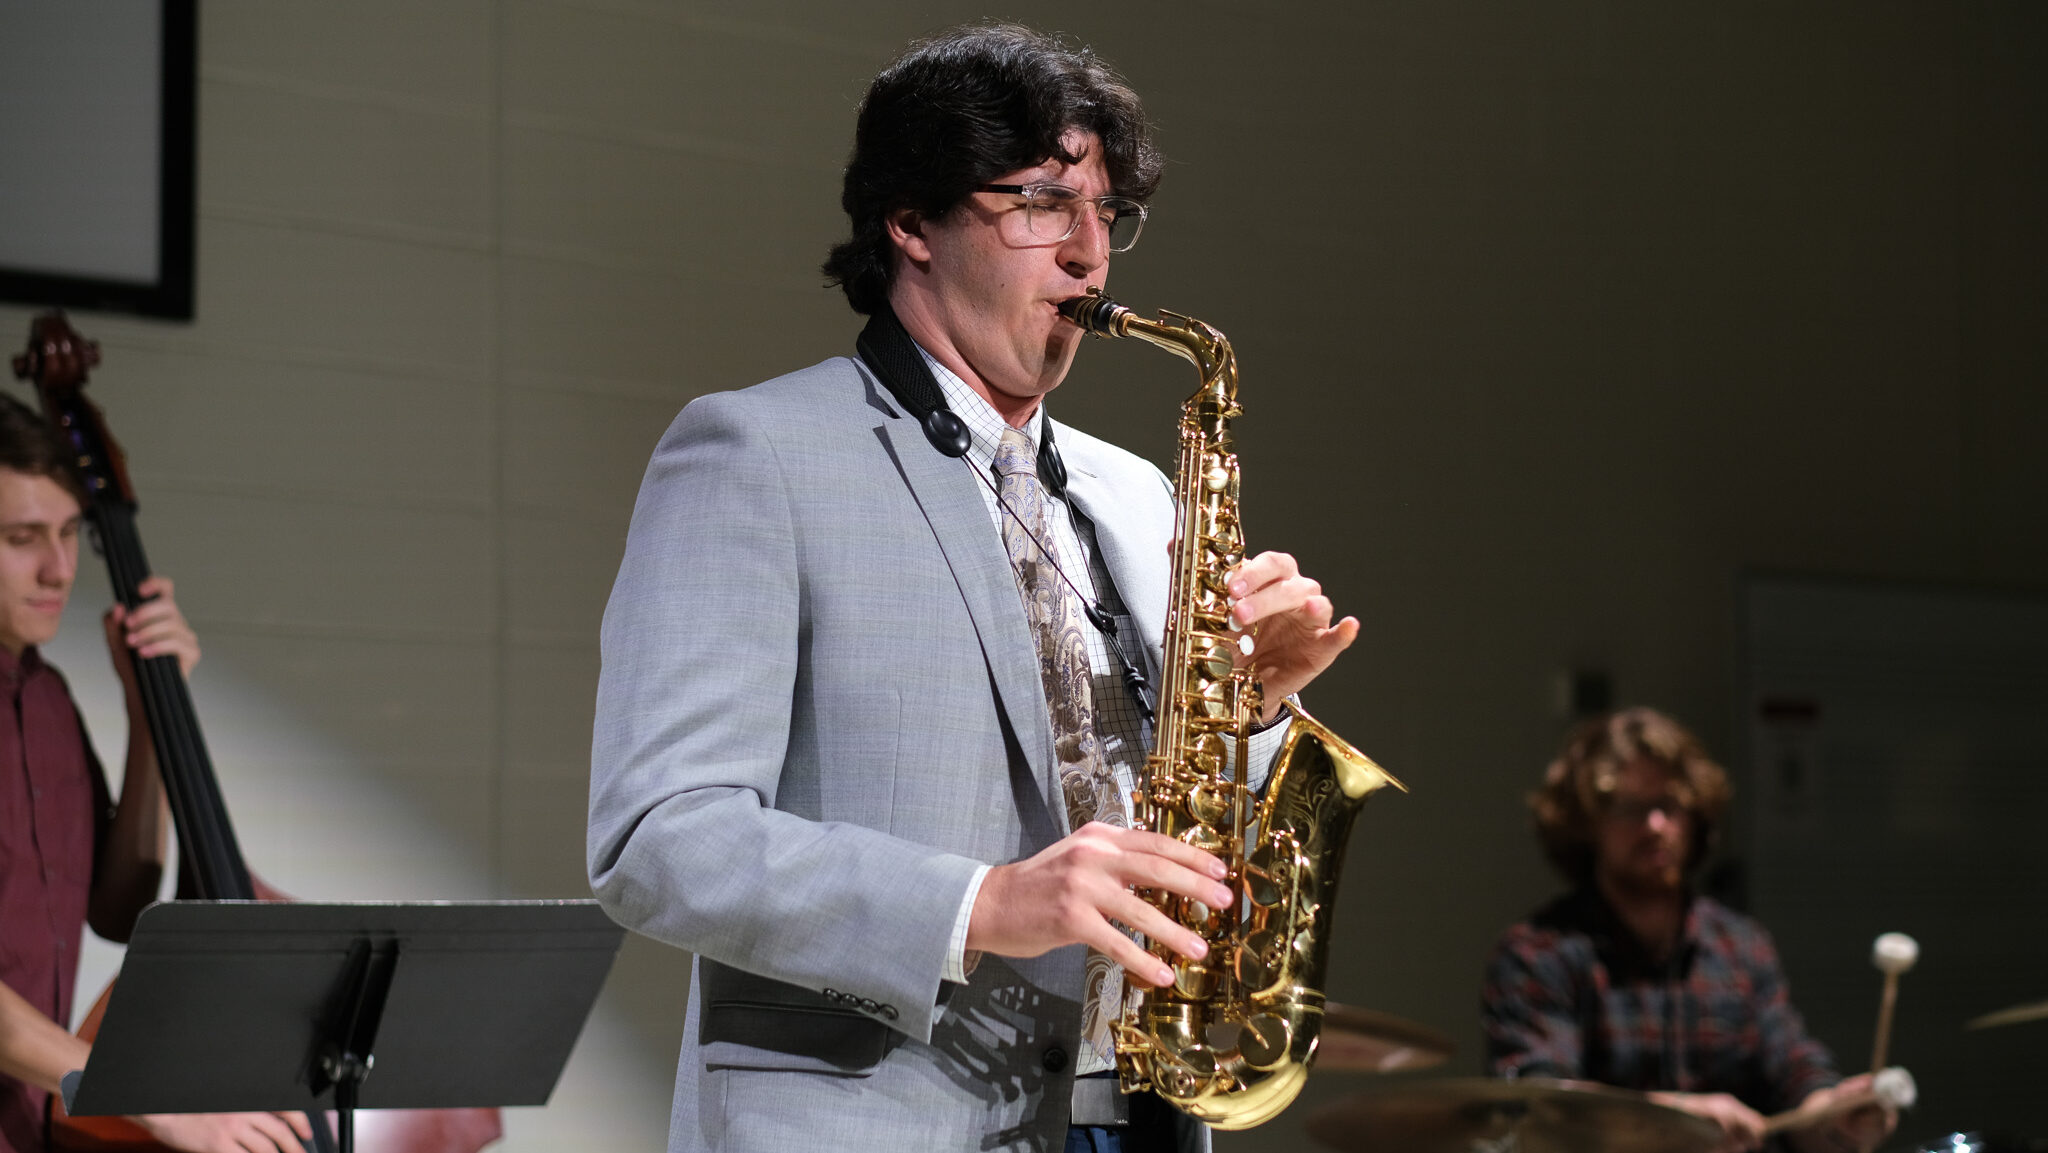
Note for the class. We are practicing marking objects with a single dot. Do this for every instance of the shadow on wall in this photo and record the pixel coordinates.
(322, 818)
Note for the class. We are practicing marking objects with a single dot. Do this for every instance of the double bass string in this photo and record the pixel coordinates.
(206, 839)
(181, 756)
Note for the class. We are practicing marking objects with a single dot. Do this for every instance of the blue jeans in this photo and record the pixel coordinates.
(1094, 1139)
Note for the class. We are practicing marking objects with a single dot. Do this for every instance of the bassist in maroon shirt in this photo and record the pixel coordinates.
(68, 855)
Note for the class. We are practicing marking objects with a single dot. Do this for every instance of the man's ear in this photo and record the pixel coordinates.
(906, 232)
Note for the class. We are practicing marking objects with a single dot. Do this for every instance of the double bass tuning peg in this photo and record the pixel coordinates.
(56, 354)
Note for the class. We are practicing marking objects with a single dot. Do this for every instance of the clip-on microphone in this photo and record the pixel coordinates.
(893, 357)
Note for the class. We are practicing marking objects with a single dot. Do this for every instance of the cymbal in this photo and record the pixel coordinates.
(1531, 1115)
(2012, 1016)
(1369, 1041)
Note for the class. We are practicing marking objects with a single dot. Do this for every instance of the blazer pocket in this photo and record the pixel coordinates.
(752, 1022)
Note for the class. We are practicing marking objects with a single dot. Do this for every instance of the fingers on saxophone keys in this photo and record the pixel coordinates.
(1164, 876)
(1295, 594)
(1180, 853)
(1147, 920)
(1260, 571)
(1141, 965)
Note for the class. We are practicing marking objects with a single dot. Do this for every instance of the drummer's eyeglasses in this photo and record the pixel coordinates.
(1630, 812)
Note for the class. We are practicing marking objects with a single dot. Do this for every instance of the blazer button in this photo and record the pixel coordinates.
(867, 1005)
(889, 1011)
(1054, 1059)
(833, 995)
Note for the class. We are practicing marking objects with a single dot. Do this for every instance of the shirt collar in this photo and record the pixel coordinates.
(15, 669)
(1614, 939)
(984, 424)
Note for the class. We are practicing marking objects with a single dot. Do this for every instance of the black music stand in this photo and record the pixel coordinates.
(235, 1006)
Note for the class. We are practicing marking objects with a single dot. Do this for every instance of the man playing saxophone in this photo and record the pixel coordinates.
(876, 665)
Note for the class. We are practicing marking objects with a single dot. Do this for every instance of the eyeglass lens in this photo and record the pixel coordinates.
(1056, 217)
(1633, 810)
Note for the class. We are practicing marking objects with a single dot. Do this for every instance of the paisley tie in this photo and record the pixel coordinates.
(1086, 781)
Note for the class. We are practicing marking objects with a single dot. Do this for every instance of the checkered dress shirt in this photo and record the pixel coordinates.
(1571, 993)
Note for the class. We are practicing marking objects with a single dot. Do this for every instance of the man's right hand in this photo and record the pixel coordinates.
(229, 1132)
(1741, 1126)
(1069, 893)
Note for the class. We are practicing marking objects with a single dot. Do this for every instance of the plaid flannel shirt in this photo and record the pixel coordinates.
(1571, 993)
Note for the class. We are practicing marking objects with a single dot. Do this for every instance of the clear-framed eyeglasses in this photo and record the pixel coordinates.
(1053, 212)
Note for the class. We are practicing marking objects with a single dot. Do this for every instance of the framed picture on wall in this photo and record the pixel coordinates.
(97, 166)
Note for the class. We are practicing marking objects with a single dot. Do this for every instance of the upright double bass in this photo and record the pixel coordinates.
(210, 864)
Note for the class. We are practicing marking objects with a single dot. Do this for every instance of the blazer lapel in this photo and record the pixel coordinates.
(974, 552)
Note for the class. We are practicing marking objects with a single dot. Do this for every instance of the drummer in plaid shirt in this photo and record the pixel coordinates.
(1633, 980)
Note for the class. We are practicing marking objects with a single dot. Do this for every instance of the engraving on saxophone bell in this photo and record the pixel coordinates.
(1231, 1040)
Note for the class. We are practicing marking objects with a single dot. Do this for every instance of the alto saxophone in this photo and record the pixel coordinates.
(1230, 1041)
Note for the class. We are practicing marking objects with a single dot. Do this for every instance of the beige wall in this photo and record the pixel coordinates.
(1553, 319)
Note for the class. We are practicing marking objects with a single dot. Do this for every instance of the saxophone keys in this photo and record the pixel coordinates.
(1268, 955)
(1205, 838)
(1209, 802)
(1223, 540)
(1261, 886)
(1213, 699)
(1264, 1041)
(1183, 1072)
(1194, 980)
(1134, 1074)
(1212, 658)
(1272, 872)
(1254, 961)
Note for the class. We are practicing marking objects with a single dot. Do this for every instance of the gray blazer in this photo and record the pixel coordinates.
(819, 711)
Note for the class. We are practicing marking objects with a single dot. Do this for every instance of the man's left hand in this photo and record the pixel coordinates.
(1857, 1131)
(1288, 618)
(154, 628)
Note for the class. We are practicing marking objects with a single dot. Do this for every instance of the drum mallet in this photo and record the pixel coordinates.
(1892, 953)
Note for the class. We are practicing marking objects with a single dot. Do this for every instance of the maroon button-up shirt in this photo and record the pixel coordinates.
(54, 809)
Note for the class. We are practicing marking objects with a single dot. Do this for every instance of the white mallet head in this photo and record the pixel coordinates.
(1894, 1086)
(1894, 953)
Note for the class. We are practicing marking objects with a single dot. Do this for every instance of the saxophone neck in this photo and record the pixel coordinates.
(1214, 405)
(1194, 341)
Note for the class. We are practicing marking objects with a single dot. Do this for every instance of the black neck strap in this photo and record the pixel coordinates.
(890, 353)
(893, 357)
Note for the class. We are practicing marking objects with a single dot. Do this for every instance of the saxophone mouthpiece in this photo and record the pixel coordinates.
(1094, 312)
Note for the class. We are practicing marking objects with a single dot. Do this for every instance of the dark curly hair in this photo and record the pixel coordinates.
(962, 107)
(1579, 785)
(28, 446)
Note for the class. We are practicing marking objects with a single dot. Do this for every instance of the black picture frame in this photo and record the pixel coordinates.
(170, 295)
